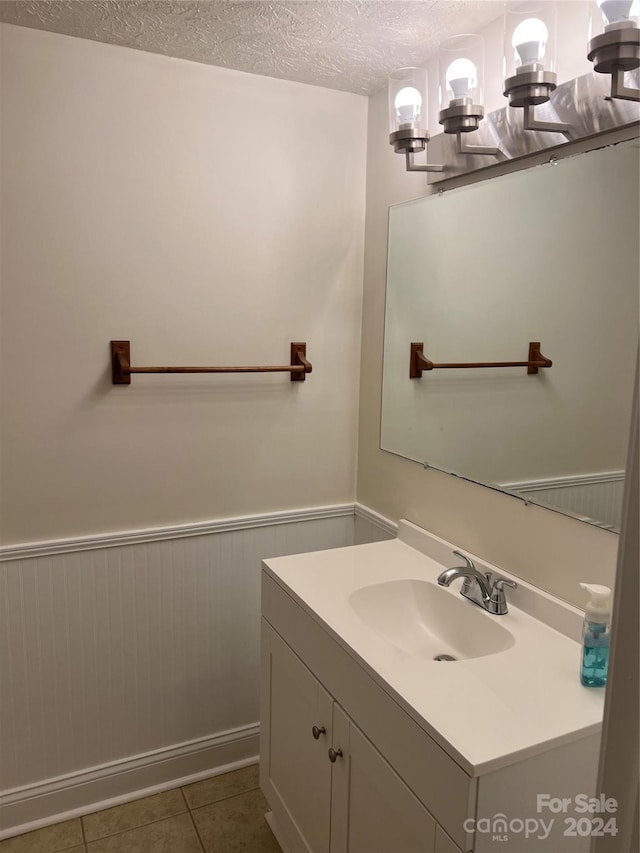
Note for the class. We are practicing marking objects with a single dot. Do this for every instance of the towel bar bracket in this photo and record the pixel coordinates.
(120, 363)
(299, 358)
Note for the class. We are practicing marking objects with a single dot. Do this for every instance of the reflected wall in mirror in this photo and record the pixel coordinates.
(548, 254)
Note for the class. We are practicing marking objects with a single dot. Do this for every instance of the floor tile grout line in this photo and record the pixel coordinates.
(61, 849)
(84, 837)
(132, 828)
(222, 799)
(137, 826)
(197, 831)
(184, 799)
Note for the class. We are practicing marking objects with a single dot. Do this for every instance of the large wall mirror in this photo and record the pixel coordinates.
(549, 254)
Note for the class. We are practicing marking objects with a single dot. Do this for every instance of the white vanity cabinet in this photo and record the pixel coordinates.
(425, 754)
(355, 803)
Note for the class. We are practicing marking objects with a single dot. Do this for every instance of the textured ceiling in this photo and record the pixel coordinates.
(350, 45)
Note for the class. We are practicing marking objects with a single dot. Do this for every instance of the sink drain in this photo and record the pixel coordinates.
(445, 657)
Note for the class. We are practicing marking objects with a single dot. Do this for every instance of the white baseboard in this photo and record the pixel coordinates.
(54, 800)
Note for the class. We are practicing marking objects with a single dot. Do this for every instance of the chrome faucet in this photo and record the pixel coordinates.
(480, 588)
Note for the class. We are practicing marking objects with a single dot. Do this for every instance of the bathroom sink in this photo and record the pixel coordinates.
(382, 605)
(424, 620)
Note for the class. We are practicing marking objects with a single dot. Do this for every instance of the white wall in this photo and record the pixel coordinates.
(208, 216)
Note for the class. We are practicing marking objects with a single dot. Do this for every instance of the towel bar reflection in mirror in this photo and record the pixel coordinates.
(420, 362)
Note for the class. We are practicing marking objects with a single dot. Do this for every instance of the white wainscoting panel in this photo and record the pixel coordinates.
(115, 651)
(594, 497)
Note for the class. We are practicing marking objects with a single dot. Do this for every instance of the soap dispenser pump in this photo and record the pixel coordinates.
(596, 635)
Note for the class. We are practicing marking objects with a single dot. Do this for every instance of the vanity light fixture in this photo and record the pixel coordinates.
(461, 62)
(590, 105)
(617, 48)
(529, 61)
(408, 116)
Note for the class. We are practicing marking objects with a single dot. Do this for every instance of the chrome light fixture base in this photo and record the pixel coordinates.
(614, 52)
(529, 86)
(463, 116)
(411, 140)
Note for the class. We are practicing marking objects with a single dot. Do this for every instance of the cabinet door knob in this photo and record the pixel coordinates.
(333, 754)
(317, 731)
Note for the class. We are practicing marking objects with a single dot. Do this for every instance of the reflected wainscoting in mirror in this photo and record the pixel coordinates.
(547, 255)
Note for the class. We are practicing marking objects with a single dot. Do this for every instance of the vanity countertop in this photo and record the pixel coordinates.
(486, 712)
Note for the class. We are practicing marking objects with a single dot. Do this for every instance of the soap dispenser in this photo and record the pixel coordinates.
(596, 634)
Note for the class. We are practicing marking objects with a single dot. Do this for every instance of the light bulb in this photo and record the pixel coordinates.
(408, 103)
(615, 11)
(530, 39)
(461, 77)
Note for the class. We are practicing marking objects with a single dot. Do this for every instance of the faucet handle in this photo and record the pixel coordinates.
(500, 584)
(498, 598)
(470, 564)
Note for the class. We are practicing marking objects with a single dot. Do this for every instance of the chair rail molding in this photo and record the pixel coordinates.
(116, 539)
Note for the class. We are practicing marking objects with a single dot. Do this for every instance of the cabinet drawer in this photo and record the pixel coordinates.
(436, 780)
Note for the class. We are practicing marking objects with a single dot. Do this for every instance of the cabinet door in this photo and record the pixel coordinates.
(295, 771)
(373, 811)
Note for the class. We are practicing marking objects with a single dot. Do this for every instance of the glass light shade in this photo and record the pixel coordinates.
(530, 37)
(461, 69)
(408, 99)
(613, 14)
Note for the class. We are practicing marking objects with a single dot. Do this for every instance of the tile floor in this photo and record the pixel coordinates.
(223, 814)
